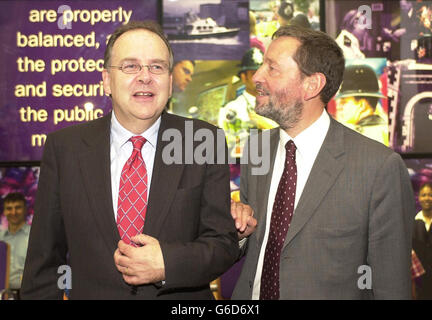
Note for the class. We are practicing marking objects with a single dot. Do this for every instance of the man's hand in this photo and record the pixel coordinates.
(243, 219)
(141, 265)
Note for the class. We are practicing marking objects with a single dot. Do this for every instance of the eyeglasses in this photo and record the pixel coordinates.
(131, 68)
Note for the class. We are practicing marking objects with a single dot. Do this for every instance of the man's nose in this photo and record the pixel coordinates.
(257, 76)
(144, 75)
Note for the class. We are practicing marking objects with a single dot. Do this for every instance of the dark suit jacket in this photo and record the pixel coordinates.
(422, 245)
(188, 212)
(356, 209)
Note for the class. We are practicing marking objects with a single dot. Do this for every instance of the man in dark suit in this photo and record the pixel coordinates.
(332, 218)
(186, 238)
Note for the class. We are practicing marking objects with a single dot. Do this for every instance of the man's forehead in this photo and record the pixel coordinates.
(287, 41)
(137, 32)
(135, 59)
(14, 203)
(132, 37)
(286, 46)
(186, 64)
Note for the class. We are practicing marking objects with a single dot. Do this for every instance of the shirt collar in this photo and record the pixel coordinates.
(120, 136)
(25, 229)
(309, 141)
(420, 216)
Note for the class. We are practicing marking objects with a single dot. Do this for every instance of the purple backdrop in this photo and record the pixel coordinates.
(16, 135)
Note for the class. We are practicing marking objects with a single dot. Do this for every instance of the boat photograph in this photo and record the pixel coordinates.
(213, 29)
(199, 28)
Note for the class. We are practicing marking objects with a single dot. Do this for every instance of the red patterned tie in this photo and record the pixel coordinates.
(283, 209)
(132, 201)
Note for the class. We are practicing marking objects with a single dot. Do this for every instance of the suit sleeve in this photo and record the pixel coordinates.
(244, 176)
(244, 173)
(391, 213)
(47, 247)
(215, 249)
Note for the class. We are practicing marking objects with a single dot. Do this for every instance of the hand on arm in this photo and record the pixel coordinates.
(243, 218)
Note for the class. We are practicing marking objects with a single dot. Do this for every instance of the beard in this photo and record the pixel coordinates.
(286, 114)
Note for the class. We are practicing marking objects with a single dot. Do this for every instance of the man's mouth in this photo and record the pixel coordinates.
(143, 94)
(261, 91)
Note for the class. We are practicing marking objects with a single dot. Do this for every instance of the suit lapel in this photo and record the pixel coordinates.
(325, 170)
(263, 183)
(165, 180)
(94, 163)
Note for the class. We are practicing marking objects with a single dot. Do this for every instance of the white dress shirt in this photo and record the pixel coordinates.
(121, 149)
(308, 144)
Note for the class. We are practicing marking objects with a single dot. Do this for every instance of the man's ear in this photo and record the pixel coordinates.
(313, 85)
(243, 77)
(106, 82)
